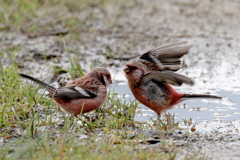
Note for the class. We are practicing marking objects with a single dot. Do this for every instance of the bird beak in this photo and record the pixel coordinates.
(126, 70)
(110, 82)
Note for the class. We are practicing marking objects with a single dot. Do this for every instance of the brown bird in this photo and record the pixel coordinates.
(81, 95)
(150, 76)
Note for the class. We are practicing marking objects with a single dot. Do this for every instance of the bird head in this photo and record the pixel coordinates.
(103, 74)
(134, 71)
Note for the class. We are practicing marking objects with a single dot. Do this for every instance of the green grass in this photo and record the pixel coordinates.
(36, 18)
(33, 127)
(73, 147)
(34, 133)
(37, 15)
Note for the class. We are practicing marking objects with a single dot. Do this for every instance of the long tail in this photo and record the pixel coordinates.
(49, 88)
(189, 96)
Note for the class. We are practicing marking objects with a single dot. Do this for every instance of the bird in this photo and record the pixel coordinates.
(150, 77)
(82, 95)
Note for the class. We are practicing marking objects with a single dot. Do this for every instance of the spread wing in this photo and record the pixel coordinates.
(74, 92)
(167, 77)
(165, 57)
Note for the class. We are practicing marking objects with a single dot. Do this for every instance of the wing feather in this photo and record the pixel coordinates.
(166, 57)
(167, 77)
(74, 92)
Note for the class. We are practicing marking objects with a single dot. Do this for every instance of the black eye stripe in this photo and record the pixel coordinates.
(102, 80)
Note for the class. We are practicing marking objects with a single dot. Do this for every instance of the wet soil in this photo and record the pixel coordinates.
(211, 27)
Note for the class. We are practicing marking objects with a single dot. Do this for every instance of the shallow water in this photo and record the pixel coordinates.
(200, 110)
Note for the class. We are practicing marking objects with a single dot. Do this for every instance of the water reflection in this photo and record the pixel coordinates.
(199, 110)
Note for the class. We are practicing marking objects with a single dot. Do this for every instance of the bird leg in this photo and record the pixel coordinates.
(167, 118)
(159, 117)
(159, 122)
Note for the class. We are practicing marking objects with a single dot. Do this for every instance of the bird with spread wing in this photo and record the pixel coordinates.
(149, 77)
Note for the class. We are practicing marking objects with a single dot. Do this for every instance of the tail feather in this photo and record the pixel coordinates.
(48, 87)
(189, 96)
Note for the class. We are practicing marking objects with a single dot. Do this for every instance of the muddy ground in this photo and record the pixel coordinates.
(211, 27)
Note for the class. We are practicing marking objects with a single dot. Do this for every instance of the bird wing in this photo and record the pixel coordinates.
(74, 92)
(165, 57)
(167, 77)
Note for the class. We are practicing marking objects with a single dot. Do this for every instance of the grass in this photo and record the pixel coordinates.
(67, 147)
(35, 17)
(34, 128)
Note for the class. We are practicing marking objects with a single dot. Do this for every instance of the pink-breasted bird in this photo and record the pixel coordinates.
(150, 77)
(81, 95)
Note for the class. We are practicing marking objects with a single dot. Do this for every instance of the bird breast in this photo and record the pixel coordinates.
(155, 91)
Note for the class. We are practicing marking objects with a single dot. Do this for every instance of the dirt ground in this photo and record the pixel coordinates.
(211, 27)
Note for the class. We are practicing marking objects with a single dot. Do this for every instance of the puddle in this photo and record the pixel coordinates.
(200, 110)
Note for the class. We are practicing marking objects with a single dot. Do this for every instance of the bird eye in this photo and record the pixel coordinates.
(133, 68)
(108, 76)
